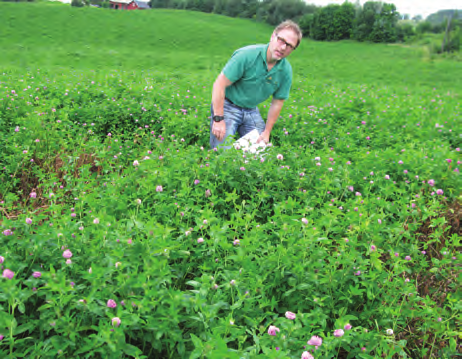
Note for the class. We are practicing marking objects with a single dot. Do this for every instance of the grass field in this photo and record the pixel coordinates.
(123, 235)
(186, 42)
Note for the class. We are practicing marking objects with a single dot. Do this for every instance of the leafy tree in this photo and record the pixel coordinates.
(280, 10)
(454, 36)
(159, 4)
(365, 20)
(438, 28)
(274, 12)
(404, 31)
(77, 3)
(333, 22)
(376, 22)
(218, 7)
(262, 15)
(250, 9)
(323, 28)
(343, 21)
(384, 28)
(306, 25)
(292, 9)
(233, 8)
(199, 5)
(310, 9)
(424, 27)
(455, 40)
(179, 4)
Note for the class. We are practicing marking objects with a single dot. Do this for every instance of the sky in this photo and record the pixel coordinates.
(411, 7)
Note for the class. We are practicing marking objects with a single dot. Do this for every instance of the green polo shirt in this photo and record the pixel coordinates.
(252, 82)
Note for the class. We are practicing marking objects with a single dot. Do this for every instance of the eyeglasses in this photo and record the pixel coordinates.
(281, 41)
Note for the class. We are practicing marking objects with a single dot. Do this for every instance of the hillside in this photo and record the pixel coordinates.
(51, 35)
(85, 37)
(442, 15)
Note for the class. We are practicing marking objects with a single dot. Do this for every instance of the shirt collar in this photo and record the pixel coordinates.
(263, 54)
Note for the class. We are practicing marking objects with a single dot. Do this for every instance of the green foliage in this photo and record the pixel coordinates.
(146, 253)
(404, 32)
(455, 40)
(384, 29)
(334, 22)
(424, 27)
(270, 11)
(323, 23)
(449, 42)
(233, 8)
(77, 3)
(365, 20)
(176, 297)
(343, 21)
(438, 28)
(306, 25)
(377, 22)
(274, 12)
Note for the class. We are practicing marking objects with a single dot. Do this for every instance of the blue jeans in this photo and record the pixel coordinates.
(237, 119)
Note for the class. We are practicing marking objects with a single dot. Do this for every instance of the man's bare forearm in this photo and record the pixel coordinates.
(273, 115)
(218, 99)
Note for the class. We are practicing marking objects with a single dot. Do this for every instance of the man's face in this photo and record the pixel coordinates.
(280, 44)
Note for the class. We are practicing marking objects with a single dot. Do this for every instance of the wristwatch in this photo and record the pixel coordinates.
(217, 118)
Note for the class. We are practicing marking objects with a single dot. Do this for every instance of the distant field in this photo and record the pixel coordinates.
(50, 35)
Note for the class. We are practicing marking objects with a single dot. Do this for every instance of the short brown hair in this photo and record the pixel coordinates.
(289, 24)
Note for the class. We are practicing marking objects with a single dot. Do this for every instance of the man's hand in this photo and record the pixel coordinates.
(273, 114)
(264, 137)
(219, 130)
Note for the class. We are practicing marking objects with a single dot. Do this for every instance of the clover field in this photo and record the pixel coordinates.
(124, 235)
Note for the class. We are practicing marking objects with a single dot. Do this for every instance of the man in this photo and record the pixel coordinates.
(251, 76)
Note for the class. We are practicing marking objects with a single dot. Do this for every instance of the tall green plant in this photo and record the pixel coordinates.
(365, 20)
(377, 22)
(333, 22)
(343, 21)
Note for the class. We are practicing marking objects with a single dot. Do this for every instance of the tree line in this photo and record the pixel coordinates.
(374, 21)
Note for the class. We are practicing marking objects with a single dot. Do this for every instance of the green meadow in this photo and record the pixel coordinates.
(51, 35)
(123, 235)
